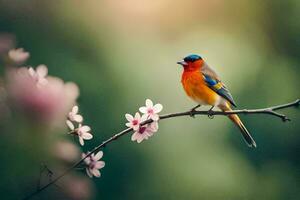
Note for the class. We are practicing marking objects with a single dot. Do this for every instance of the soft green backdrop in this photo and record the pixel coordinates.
(122, 52)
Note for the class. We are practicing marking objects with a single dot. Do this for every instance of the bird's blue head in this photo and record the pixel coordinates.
(189, 60)
(192, 58)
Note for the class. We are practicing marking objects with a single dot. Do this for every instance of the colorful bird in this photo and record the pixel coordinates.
(203, 85)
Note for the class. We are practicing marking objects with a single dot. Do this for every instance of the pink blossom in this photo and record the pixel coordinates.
(134, 122)
(144, 132)
(18, 56)
(66, 151)
(93, 165)
(39, 75)
(83, 132)
(74, 116)
(151, 111)
(47, 102)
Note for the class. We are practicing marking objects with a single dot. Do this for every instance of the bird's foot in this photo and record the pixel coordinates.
(210, 113)
(192, 111)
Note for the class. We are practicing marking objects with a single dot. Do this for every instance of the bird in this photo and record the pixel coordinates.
(202, 84)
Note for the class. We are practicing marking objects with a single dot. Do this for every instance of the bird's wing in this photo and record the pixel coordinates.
(213, 81)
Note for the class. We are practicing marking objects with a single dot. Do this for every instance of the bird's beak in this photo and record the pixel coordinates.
(183, 63)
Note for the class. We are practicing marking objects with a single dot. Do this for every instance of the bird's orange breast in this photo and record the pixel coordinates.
(196, 88)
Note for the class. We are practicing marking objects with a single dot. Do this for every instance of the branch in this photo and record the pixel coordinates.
(267, 111)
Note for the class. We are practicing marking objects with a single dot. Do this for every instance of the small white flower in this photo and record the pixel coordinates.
(144, 132)
(82, 132)
(134, 122)
(18, 56)
(39, 75)
(73, 116)
(151, 111)
(93, 164)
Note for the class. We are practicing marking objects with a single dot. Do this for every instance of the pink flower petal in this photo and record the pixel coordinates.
(129, 117)
(96, 172)
(98, 155)
(87, 136)
(19, 56)
(78, 118)
(136, 127)
(144, 117)
(149, 103)
(143, 109)
(42, 71)
(88, 173)
(31, 71)
(137, 116)
(128, 125)
(85, 128)
(81, 141)
(70, 125)
(134, 136)
(150, 133)
(99, 164)
(155, 117)
(140, 139)
(75, 110)
(87, 160)
(153, 126)
(157, 108)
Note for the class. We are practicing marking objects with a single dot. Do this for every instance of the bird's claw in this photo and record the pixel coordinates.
(193, 110)
(210, 113)
(210, 116)
(192, 114)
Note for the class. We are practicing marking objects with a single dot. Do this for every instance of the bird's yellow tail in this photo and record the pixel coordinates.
(236, 120)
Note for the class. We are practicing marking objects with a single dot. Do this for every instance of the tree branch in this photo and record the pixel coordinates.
(267, 111)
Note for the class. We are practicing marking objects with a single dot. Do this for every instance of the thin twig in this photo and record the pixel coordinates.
(44, 167)
(267, 111)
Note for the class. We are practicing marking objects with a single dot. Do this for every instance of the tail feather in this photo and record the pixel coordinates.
(247, 137)
(236, 120)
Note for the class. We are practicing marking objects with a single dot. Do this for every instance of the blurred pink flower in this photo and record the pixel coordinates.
(39, 75)
(7, 41)
(73, 116)
(144, 132)
(93, 164)
(18, 56)
(76, 187)
(66, 151)
(47, 101)
(134, 122)
(151, 111)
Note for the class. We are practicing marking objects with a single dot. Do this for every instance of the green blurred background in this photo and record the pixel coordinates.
(122, 52)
